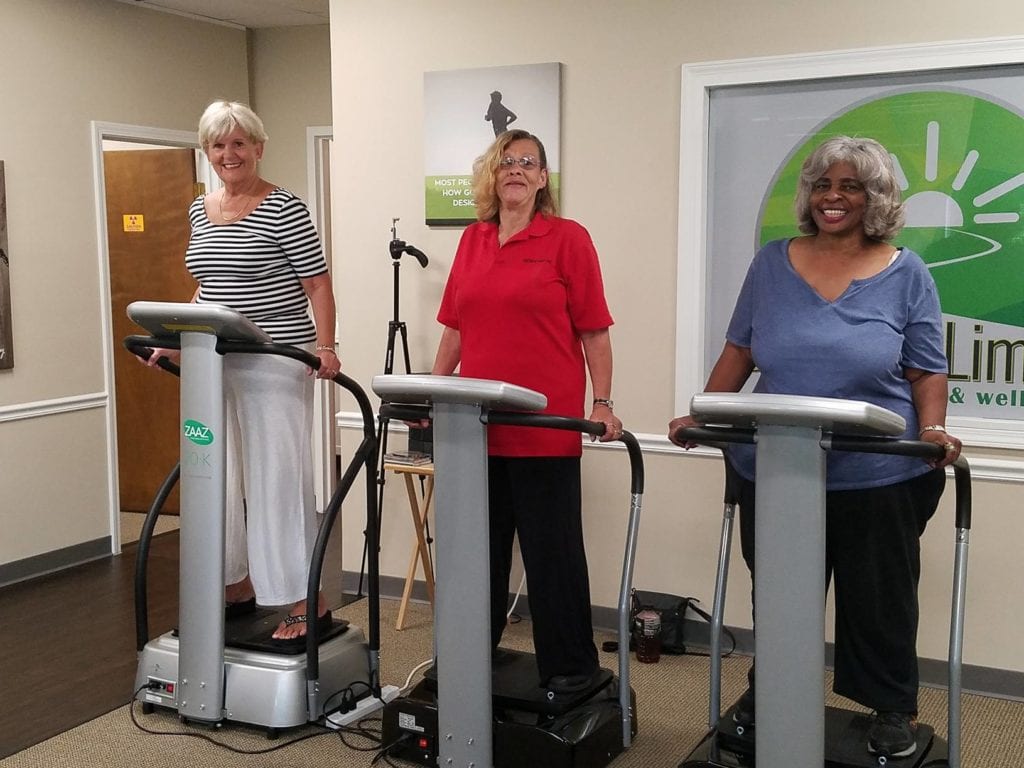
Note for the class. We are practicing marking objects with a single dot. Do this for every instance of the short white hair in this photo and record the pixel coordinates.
(222, 117)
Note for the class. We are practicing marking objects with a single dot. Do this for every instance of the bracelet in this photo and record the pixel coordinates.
(324, 347)
(932, 428)
(609, 404)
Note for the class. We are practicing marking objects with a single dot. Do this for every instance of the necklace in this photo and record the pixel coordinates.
(232, 217)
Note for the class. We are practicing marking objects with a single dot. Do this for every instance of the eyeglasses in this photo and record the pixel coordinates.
(526, 162)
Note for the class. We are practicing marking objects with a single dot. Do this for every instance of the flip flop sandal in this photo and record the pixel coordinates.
(323, 623)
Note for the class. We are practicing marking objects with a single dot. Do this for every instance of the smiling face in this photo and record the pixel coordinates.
(515, 185)
(234, 157)
(838, 200)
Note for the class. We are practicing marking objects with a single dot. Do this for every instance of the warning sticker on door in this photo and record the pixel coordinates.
(134, 222)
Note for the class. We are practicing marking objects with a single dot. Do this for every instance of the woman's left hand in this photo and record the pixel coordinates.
(950, 445)
(330, 365)
(612, 424)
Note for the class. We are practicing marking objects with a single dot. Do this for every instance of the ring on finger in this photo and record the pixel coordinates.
(948, 447)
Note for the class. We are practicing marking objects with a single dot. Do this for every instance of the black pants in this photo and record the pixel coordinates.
(873, 551)
(539, 497)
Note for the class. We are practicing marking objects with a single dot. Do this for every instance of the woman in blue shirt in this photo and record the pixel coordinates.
(842, 313)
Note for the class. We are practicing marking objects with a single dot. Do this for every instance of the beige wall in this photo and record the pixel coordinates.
(67, 63)
(620, 160)
(291, 90)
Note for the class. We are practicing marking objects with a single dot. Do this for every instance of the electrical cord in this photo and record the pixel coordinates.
(408, 681)
(385, 750)
(341, 732)
(215, 742)
(512, 616)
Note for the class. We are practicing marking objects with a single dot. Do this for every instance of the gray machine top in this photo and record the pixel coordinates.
(747, 410)
(417, 389)
(169, 319)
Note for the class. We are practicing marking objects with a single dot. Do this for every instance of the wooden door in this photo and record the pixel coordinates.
(148, 192)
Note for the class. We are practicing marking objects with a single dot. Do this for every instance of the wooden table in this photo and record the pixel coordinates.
(419, 508)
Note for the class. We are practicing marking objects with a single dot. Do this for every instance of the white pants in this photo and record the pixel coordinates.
(271, 521)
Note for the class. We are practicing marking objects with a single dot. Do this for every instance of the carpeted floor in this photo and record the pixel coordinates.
(671, 703)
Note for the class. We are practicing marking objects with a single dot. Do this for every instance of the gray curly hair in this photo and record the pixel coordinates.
(884, 215)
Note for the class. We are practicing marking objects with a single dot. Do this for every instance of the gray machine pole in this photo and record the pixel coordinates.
(463, 599)
(789, 583)
(200, 692)
(203, 457)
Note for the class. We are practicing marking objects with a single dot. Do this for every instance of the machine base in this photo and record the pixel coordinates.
(588, 736)
(846, 738)
(515, 684)
(262, 689)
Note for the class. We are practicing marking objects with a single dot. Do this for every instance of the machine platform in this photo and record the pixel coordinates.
(589, 735)
(846, 737)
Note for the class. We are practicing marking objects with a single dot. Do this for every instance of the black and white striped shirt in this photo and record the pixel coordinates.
(254, 265)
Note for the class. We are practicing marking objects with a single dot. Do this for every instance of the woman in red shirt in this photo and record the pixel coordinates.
(524, 303)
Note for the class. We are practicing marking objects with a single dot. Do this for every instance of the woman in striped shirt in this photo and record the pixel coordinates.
(254, 248)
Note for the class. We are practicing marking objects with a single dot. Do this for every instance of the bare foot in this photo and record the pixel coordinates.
(239, 592)
(286, 631)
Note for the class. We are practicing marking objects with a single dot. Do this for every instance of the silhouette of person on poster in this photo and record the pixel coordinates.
(498, 114)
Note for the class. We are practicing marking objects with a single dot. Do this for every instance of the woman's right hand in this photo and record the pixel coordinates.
(675, 425)
(172, 355)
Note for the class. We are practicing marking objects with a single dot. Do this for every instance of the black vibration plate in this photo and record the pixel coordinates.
(515, 684)
(252, 632)
(588, 736)
(846, 739)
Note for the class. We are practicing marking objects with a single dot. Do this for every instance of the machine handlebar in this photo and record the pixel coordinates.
(718, 437)
(416, 413)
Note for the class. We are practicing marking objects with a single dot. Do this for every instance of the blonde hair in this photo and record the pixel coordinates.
(222, 117)
(485, 173)
(883, 216)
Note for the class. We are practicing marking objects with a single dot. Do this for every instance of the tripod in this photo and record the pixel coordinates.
(396, 329)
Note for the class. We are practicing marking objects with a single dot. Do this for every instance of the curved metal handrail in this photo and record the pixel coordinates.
(364, 457)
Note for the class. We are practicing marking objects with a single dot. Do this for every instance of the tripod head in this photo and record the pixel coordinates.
(398, 247)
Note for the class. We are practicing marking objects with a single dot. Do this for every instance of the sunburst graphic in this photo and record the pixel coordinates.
(933, 208)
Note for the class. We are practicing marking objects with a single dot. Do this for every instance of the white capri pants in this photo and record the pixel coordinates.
(271, 523)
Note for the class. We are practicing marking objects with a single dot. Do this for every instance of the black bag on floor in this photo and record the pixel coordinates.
(672, 610)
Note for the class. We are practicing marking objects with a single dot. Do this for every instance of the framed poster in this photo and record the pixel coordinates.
(952, 118)
(6, 333)
(464, 110)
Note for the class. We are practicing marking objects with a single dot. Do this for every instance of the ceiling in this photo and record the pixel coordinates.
(244, 13)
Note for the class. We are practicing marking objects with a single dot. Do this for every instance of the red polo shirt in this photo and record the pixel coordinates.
(519, 309)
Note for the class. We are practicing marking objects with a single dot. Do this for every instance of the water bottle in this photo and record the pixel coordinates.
(647, 631)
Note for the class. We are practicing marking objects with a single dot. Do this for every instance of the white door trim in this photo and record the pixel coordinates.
(325, 442)
(133, 133)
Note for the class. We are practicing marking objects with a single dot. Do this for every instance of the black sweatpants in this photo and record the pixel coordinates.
(873, 551)
(539, 497)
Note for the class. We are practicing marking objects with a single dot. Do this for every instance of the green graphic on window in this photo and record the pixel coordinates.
(960, 159)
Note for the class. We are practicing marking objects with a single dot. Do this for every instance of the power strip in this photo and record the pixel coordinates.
(364, 708)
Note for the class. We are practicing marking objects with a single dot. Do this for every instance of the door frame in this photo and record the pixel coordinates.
(104, 131)
(325, 430)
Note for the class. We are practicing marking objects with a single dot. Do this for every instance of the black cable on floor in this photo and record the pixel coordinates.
(325, 731)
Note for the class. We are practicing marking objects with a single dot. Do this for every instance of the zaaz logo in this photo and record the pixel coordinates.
(197, 432)
(959, 159)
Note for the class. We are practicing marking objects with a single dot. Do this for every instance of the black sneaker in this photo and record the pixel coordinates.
(892, 734)
(744, 712)
(572, 683)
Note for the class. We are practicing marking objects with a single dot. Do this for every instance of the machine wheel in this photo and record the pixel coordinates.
(273, 734)
(147, 708)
